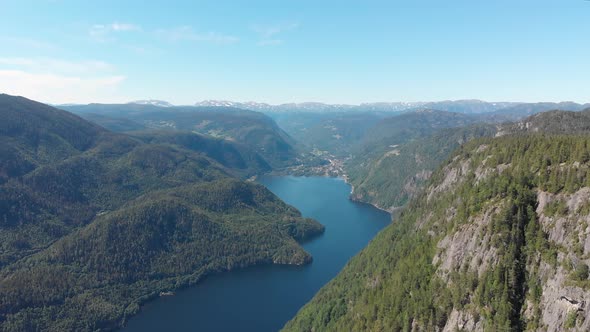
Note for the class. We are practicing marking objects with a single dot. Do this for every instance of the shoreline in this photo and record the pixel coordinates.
(351, 197)
(335, 169)
(195, 279)
(170, 291)
(342, 177)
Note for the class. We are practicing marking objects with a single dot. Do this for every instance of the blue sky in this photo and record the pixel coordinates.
(293, 51)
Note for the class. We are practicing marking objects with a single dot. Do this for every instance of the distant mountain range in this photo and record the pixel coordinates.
(153, 102)
(255, 129)
(510, 110)
(289, 107)
(469, 106)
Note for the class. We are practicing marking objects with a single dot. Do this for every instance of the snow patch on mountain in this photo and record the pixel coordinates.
(153, 102)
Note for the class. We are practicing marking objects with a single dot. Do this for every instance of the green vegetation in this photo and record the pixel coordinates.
(556, 208)
(253, 129)
(391, 179)
(238, 158)
(584, 209)
(158, 242)
(400, 153)
(581, 272)
(93, 223)
(335, 133)
(521, 110)
(393, 284)
(407, 127)
(570, 321)
(113, 124)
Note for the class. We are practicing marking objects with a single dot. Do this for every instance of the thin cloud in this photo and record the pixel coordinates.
(187, 33)
(51, 65)
(53, 88)
(28, 43)
(57, 80)
(114, 27)
(104, 32)
(124, 27)
(268, 33)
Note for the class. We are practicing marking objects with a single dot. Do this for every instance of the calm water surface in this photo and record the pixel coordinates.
(264, 298)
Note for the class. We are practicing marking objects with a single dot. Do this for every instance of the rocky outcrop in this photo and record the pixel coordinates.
(462, 321)
(565, 299)
(453, 174)
(499, 240)
(469, 248)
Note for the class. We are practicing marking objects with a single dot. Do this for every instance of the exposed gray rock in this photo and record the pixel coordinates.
(462, 321)
(470, 245)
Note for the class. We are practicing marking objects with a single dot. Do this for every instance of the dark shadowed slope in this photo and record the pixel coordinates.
(252, 128)
(94, 223)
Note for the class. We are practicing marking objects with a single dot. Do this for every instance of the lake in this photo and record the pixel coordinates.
(264, 298)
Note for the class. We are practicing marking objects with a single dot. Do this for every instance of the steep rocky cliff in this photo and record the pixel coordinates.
(497, 241)
(391, 178)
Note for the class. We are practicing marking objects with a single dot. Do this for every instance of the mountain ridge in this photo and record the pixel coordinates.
(93, 223)
(237, 125)
(498, 239)
(468, 106)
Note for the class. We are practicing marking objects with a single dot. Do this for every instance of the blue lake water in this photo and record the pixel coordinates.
(264, 298)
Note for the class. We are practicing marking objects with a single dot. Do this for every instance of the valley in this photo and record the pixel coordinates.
(264, 298)
(161, 205)
(107, 221)
(296, 166)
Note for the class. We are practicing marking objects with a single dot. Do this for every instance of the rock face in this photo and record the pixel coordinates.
(563, 300)
(499, 240)
(468, 248)
(569, 229)
(463, 321)
(563, 303)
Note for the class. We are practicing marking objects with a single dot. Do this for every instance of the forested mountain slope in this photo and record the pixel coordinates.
(94, 223)
(334, 133)
(519, 111)
(252, 128)
(399, 153)
(119, 125)
(239, 159)
(468, 106)
(553, 122)
(391, 179)
(406, 127)
(498, 241)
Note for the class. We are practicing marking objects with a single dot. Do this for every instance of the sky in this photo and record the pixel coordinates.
(347, 52)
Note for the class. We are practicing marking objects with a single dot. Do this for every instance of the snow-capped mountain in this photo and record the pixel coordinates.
(389, 106)
(217, 103)
(263, 107)
(467, 106)
(311, 106)
(153, 102)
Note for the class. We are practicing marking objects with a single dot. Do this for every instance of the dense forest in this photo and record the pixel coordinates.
(254, 129)
(388, 175)
(94, 223)
(399, 154)
(334, 133)
(498, 240)
(392, 178)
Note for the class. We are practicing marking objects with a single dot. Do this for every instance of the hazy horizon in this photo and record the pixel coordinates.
(336, 104)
